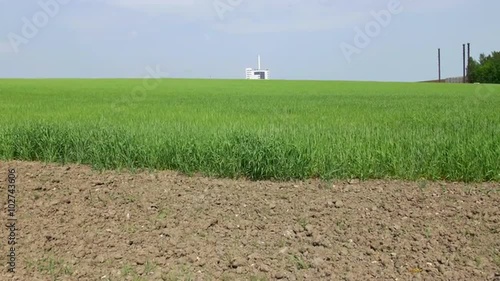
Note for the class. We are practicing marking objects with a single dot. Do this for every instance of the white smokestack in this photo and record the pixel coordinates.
(258, 58)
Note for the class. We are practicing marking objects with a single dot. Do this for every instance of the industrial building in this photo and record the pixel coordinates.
(257, 74)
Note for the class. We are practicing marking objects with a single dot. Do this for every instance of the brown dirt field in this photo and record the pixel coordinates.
(75, 223)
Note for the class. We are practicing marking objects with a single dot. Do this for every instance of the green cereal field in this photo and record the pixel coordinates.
(278, 130)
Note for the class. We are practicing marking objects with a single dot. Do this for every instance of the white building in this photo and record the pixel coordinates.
(257, 74)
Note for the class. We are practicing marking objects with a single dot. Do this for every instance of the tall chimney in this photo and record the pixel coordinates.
(258, 58)
(468, 62)
(439, 64)
(464, 74)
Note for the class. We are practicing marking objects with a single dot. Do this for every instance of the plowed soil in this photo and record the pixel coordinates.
(75, 223)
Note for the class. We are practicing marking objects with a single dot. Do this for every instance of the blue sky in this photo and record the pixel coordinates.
(297, 39)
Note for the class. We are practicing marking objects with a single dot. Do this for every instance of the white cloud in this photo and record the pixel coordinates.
(132, 34)
(293, 15)
(185, 9)
(254, 16)
(248, 15)
(431, 5)
(246, 25)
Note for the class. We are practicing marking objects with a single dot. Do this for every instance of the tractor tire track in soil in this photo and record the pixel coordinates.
(79, 224)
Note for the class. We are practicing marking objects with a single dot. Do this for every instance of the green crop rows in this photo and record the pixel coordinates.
(257, 129)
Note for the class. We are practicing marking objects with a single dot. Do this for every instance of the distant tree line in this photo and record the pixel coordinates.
(486, 70)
